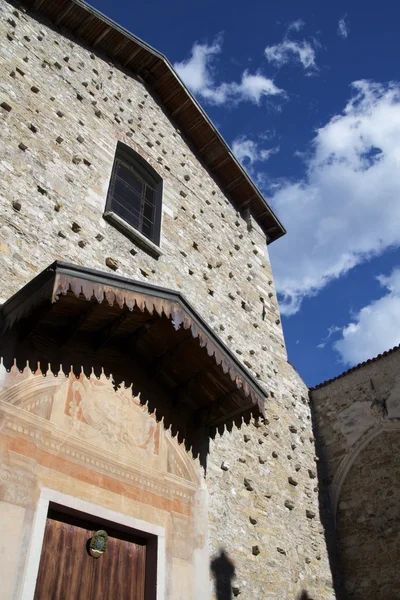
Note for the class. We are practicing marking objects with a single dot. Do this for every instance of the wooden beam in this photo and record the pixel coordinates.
(173, 94)
(199, 121)
(185, 390)
(148, 77)
(27, 327)
(101, 36)
(37, 4)
(162, 79)
(159, 364)
(234, 413)
(248, 201)
(83, 25)
(194, 381)
(64, 13)
(201, 417)
(132, 340)
(104, 335)
(132, 55)
(234, 183)
(121, 46)
(264, 213)
(181, 395)
(221, 163)
(148, 62)
(181, 108)
(211, 418)
(74, 326)
(206, 416)
(201, 150)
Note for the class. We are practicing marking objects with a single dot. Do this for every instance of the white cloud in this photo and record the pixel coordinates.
(331, 331)
(343, 27)
(296, 25)
(249, 152)
(291, 51)
(347, 207)
(198, 73)
(375, 328)
(252, 87)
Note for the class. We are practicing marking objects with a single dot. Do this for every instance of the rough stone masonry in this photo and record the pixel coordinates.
(358, 422)
(63, 109)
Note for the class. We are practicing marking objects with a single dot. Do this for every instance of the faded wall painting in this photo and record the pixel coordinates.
(84, 437)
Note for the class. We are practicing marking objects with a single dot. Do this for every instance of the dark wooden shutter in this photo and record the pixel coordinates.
(68, 572)
(135, 193)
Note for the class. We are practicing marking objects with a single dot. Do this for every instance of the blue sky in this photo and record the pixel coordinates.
(308, 96)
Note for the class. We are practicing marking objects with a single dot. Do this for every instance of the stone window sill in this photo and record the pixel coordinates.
(135, 236)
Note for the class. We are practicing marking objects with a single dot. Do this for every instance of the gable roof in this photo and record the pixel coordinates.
(98, 31)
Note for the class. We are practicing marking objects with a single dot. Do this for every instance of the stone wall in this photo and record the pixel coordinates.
(64, 108)
(358, 424)
(63, 111)
(264, 501)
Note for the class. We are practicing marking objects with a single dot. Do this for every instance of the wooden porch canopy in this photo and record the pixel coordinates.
(140, 334)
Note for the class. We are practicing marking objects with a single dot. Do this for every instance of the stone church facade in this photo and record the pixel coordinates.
(144, 385)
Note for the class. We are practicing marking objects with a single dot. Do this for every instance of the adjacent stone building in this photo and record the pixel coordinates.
(144, 384)
(358, 422)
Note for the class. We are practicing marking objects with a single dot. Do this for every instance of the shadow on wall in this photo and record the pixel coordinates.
(179, 418)
(326, 516)
(223, 571)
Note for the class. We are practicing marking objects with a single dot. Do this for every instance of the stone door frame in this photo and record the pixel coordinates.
(49, 497)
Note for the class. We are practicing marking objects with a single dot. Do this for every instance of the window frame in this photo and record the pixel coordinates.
(136, 163)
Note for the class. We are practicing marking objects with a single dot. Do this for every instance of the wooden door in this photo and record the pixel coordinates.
(67, 571)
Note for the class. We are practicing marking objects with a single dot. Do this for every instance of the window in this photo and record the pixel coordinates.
(134, 196)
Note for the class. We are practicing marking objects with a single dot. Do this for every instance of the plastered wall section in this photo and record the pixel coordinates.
(82, 438)
(358, 425)
(63, 109)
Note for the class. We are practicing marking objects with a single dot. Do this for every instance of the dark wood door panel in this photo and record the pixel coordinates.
(120, 572)
(64, 548)
(68, 572)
